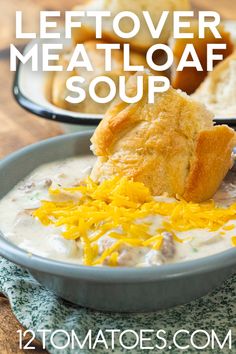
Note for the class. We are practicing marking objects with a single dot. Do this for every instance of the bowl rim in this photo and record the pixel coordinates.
(105, 274)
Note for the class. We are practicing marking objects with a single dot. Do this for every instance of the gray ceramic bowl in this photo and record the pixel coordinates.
(104, 288)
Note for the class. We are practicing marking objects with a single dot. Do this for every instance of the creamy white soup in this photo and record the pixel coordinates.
(157, 240)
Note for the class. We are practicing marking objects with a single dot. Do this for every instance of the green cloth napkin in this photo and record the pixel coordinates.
(37, 308)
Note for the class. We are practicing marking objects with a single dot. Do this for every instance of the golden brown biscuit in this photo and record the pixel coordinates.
(189, 79)
(218, 90)
(210, 163)
(171, 146)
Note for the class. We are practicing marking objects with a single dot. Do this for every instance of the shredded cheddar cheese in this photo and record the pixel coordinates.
(118, 208)
(228, 227)
(233, 241)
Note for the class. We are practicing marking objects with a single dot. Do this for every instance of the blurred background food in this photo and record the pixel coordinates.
(143, 40)
(86, 34)
(187, 80)
(56, 84)
(218, 90)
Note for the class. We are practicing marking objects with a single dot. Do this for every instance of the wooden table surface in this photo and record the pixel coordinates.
(19, 128)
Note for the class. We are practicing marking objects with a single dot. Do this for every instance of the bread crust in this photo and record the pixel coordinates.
(171, 146)
(210, 164)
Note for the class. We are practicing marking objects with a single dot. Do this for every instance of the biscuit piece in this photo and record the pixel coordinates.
(143, 40)
(171, 146)
(218, 90)
(189, 79)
